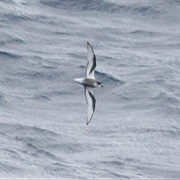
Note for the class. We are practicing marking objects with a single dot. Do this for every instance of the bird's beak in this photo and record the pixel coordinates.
(101, 85)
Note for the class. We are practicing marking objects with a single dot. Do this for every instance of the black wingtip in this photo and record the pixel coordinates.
(88, 123)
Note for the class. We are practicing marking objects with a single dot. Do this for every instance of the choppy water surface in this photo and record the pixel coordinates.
(135, 131)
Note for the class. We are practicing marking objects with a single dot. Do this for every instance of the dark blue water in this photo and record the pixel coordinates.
(135, 131)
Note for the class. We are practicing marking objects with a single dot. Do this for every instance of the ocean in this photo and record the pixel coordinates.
(135, 130)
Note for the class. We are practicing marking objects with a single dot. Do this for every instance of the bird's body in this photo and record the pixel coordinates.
(89, 82)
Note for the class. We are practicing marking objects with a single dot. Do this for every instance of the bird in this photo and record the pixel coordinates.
(89, 82)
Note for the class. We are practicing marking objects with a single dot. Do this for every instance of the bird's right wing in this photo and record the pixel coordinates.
(91, 64)
(91, 102)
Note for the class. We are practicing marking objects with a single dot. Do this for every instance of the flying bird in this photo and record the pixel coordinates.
(89, 82)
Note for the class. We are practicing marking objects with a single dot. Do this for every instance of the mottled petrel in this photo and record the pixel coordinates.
(89, 82)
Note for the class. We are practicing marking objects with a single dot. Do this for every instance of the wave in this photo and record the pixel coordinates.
(24, 17)
(100, 5)
(12, 41)
(2, 97)
(33, 145)
(5, 54)
(30, 140)
(114, 164)
(41, 98)
(146, 33)
(37, 141)
(166, 98)
(3, 101)
(14, 18)
(21, 129)
(167, 133)
(9, 168)
(170, 133)
(32, 74)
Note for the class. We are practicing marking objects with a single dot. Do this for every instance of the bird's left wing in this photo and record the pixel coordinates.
(91, 64)
(91, 102)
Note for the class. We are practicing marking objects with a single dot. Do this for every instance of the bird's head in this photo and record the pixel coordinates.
(99, 84)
